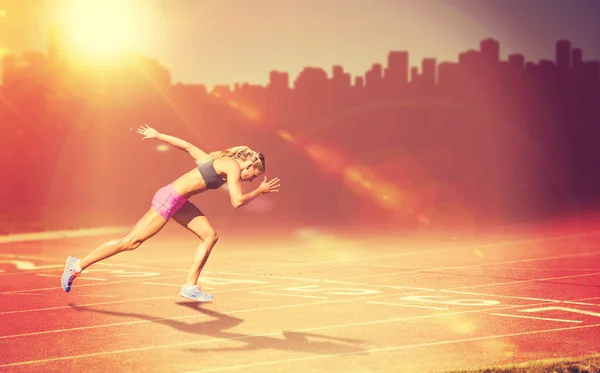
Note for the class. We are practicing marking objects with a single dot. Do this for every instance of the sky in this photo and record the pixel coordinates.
(228, 41)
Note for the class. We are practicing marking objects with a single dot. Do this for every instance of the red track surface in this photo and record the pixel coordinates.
(309, 304)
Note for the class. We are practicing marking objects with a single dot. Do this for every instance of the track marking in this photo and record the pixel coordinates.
(25, 265)
(393, 348)
(172, 285)
(468, 266)
(160, 284)
(534, 280)
(147, 348)
(53, 235)
(29, 257)
(93, 279)
(289, 295)
(532, 269)
(83, 278)
(591, 298)
(407, 305)
(147, 267)
(436, 342)
(22, 273)
(470, 247)
(278, 307)
(88, 304)
(451, 290)
(247, 310)
(495, 244)
(581, 303)
(83, 285)
(564, 309)
(535, 318)
(161, 298)
(496, 296)
(98, 296)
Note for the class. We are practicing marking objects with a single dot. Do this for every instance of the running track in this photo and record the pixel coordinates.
(309, 303)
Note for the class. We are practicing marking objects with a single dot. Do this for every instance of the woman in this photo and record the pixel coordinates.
(231, 166)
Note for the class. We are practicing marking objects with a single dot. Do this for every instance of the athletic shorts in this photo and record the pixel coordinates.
(167, 201)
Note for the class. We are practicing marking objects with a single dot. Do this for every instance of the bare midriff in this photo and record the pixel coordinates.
(190, 183)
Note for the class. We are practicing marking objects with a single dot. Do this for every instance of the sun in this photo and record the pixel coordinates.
(101, 28)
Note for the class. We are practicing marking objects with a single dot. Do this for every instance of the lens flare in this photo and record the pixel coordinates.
(285, 135)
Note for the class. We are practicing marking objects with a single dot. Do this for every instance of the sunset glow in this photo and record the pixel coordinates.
(101, 29)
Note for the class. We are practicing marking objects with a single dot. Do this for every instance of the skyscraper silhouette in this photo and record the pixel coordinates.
(490, 49)
(397, 71)
(563, 56)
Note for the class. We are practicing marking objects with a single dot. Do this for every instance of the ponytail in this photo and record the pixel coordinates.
(242, 153)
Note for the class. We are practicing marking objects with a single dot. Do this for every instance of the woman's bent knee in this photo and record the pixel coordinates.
(210, 237)
(130, 243)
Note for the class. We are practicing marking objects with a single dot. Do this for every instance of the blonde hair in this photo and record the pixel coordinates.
(243, 153)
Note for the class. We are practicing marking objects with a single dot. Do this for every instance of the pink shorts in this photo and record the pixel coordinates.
(167, 201)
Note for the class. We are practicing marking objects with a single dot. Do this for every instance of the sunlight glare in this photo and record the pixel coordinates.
(102, 28)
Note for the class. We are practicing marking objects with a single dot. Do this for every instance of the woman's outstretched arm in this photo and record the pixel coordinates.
(151, 133)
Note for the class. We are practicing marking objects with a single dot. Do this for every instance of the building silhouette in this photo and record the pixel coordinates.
(504, 139)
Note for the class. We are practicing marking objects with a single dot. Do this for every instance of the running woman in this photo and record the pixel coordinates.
(231, 166)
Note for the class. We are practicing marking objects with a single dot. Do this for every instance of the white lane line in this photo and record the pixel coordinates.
(450, 249)
(288, 295)
(161, 284)
(451, 290)
(553, 269)
(496, 295)
(468, 266)
(419, 252)
(393, 348)
(137, 300)
(82, 278)
(88, 304)
(581, 303)
(93, 278)
(148, 267)
(199, 315)
(534, 280)
(535, 318)
(172, 285)
(328, 327)
(98, 296)
(407, 305)
(83, 285)
(30, 272)
(53, 235)
(496, 244)
(544, 302)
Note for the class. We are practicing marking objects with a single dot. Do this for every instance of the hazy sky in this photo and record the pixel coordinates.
(227, 41)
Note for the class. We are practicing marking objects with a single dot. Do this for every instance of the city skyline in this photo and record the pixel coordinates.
(511, 110)
(565, 51)
(269, 36)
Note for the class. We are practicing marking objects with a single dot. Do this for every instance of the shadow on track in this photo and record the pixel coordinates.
(216, 328)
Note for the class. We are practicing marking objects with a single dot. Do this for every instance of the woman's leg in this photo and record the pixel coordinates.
(150, 224)
(194, 220)
(165, 203)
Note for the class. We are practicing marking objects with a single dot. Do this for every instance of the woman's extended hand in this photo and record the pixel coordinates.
(268, 187)
(148, 132)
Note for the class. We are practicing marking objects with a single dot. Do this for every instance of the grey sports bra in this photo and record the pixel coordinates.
(210, 176)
